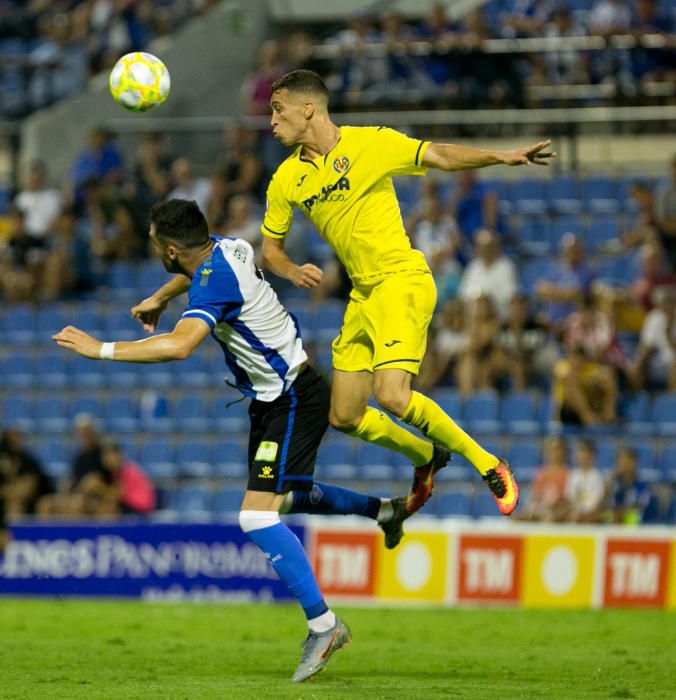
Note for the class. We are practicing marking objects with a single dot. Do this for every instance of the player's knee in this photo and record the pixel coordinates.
(392, 399)
(344, 420)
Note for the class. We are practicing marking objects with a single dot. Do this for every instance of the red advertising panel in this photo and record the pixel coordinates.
(344, 562)
(636, 573)
(489, 568)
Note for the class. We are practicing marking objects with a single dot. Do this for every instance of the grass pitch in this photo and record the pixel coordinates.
(129, 651)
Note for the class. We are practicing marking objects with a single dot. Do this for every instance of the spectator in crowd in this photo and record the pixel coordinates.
(122, 489)
(655, 273)
(547, 501)
(585, 392)
(655, 363)
(152, 169)
(438, 64)
(651, 64)
(239, 172)
(474, 205)
(242, 221)
(609, 17)
(628, 497)
(22, 479)
(564, 284)
(490, 273)
(21, 261)
(591, 330)
(256, 88)
(526, 18)
(187, 186)
(39, 203)
(585, 489)
(665, 215)
(563, 66)
(68, 267)
(436, 235)
(449, 344)
(644, 226)
(100, 160)
(73, 497)
(522, 349)
(484, 323)
(300, 53)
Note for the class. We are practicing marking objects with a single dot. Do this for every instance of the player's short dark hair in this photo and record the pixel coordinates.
(301, 80)
(180, 221)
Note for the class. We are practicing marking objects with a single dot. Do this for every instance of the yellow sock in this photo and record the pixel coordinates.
(376, 427)
(433, 423)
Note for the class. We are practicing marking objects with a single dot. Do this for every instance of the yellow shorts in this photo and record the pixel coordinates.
(385, 323)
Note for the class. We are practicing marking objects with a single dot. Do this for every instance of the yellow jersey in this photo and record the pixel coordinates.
(349, 197)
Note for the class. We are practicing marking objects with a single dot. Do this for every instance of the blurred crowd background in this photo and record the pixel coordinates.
(554, 339)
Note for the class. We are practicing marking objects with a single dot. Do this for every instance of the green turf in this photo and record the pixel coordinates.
(125, 651)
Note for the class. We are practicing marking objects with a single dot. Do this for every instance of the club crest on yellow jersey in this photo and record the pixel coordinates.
(340, 165)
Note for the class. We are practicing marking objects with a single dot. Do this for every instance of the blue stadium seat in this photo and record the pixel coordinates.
(327, 320)
(194, 372)
(122, 415)
(88, 320)
(546, 414)
(529, 196)
(122, 375)
(227, 501)
(450, 403)
(157, 459)
(50, 320)
(193, 458)
(484, 506)
(600, 195)
(481, 412)
(121, 326)
(229, 414)
(18, 372)
(646, 458)
(374, 462)
(192, 414)
(229, 459)
(564, 195)
(19, 324)
(158, 375)
(156, 412)
(301, 311)
(452, 504)
(518, 413)
(602, 231)
(663, 414)
(51, 414)
(122, 280)
(54, 457)
(667, 464)
(525, 457)
(18, 412)
(87, 404)
(533, 238)
(533, 271)
(193, 503)
(637, 413)
(149, 276)
(52, 369)
(336, 460)
(606, 454)
(625, 202)
(85, 373)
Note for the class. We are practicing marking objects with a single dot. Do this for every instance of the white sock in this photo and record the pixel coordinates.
(386, 511)
(323, 623)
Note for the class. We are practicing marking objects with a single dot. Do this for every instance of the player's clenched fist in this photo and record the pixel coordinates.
(306, 276)
(149, 312)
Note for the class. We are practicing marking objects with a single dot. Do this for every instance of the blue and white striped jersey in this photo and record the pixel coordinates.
(260, 339)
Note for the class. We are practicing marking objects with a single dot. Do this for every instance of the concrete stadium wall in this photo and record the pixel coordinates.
(207, 60)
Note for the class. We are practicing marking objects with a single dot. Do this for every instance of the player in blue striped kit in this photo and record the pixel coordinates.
(229, 299)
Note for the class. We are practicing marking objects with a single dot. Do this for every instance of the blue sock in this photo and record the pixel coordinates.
(324, 499)
(287, 557)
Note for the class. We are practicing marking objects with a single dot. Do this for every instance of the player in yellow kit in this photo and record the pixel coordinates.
(341, 179)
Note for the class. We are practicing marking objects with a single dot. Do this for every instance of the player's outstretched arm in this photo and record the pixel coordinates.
(148, 312)
(450, 157)
(177, 345)
(276, 260)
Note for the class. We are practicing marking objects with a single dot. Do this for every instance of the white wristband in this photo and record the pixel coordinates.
(107, 351)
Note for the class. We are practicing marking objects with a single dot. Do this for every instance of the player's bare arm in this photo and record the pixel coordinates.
(148, 312)
(451, 157)
(177, 345)
(277, 261)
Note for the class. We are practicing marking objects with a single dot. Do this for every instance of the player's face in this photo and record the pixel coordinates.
(164, 253)
(289, 116)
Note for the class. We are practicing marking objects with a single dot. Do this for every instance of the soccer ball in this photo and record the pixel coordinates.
(139, 81)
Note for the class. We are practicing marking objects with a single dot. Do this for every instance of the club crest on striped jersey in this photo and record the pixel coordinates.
(340, 165)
